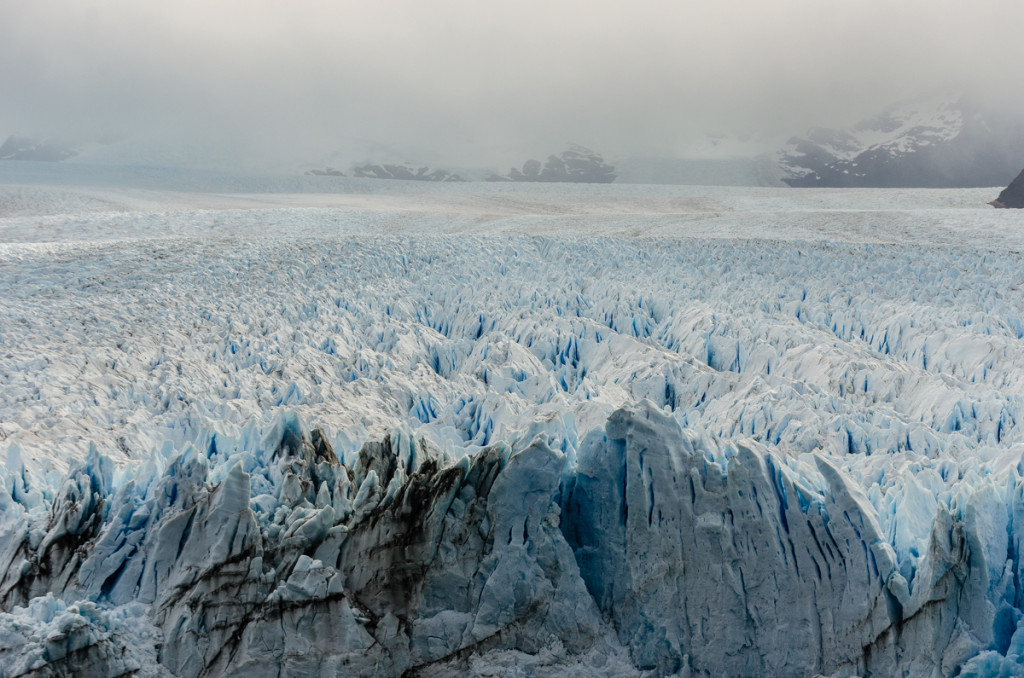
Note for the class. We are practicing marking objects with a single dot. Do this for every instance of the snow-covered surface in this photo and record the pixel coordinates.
(330, 207)
(510, 430)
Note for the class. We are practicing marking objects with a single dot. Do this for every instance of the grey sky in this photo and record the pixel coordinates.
(470, 80)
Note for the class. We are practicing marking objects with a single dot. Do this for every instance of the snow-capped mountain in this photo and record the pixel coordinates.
(937, 142)
(39, 150)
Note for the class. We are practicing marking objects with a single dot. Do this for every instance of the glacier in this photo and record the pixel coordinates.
(377, 438)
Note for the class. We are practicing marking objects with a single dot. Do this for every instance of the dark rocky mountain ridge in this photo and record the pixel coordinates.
(400, 172)
(403, 172)
(575, 164)
(1013, 195)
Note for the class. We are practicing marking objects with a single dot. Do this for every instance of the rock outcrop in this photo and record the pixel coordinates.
(576, 164)
(1013, 195)
(403, 173)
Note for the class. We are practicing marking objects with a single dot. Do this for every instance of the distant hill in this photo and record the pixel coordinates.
(576, 164)
(329, 172)
(403, 172)
(38, 150)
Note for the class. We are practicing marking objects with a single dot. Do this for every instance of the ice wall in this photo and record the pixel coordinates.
(658, 547)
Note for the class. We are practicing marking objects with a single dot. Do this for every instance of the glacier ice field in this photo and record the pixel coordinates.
(326, 427)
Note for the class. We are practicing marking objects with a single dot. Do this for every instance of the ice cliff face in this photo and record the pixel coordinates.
(696, 557)
(715, 562)
(688, 557)
(287, 560)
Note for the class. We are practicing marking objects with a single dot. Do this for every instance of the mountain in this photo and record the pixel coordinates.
(400, 172)
(40, 150)
(403, 172)
(576, 164)
(1012, 195)
(940, 142)
(328, 172)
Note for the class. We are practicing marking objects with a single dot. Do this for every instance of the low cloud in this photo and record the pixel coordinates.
(485, 82)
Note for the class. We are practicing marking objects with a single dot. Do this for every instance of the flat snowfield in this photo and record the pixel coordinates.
(859, 347)
(57, 208)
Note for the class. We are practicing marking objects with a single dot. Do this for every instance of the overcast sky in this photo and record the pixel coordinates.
(470, 80)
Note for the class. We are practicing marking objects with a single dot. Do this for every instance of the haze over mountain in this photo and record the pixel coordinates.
(457, 83)
(936, 142)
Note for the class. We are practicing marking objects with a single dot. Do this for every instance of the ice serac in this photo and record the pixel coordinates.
(713, 560)
(685, 553)
(286, 560)
(51, 639)
(40, 558)
(722, 563)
